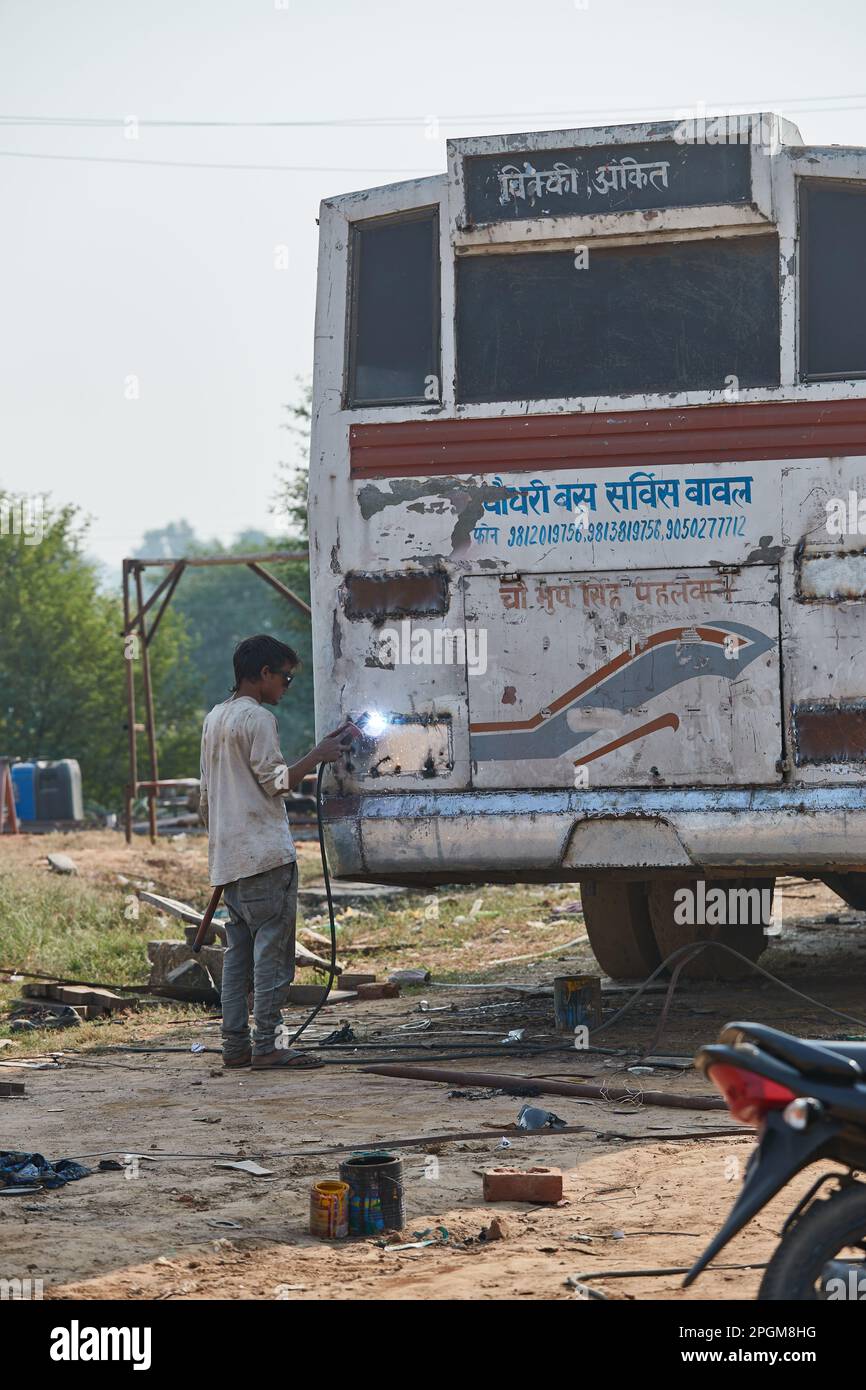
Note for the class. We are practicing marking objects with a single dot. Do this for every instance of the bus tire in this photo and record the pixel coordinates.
(619, 928)
(851, 888)
(670, 934)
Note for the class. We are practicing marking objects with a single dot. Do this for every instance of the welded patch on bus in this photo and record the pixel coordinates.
(395, 595)
(829, 576)
(829, 732)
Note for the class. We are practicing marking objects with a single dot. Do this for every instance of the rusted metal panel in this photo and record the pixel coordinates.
(430, 836)
(829, 733)
(402, 594)
(623, 439)
(830, 576)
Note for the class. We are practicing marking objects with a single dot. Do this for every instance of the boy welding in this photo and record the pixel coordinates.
(244, 778)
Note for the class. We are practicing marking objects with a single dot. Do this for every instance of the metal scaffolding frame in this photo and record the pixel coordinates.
(8, 814)
(135, 611)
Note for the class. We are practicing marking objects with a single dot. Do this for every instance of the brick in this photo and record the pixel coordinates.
(379, 991)
(350, 981)
(43, 989)
(523, 1185)
(11, 1088)
(93, 1000)
(97, 1001)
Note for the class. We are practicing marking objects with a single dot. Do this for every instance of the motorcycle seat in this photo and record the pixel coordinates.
(824, 1057)
(854, 1051)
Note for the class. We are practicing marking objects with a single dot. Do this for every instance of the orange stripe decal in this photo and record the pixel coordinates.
(665, 721)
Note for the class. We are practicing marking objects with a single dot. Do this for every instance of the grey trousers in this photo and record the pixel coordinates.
(261, 954)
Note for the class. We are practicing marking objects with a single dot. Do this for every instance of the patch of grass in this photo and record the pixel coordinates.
(53, 923)
(84, 928)
(76, 930)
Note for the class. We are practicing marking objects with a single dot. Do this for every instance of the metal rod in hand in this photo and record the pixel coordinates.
(207, 919)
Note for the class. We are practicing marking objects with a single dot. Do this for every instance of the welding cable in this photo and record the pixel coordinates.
(685, 953)
(327, 1053)
(332, 969)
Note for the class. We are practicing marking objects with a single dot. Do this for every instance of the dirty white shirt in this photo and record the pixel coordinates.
(244, 779)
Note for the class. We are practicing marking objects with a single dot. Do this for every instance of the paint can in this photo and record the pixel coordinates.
(329, 1210)
(375, 1183)
(576, 1002)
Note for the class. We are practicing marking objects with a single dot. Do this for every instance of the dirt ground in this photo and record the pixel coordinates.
(637, 1196)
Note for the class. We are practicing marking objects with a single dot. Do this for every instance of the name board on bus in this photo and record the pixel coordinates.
(604, 179)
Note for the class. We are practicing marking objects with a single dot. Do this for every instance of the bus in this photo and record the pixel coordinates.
(588, 523)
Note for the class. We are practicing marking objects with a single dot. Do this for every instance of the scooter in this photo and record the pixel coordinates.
(807, 1100)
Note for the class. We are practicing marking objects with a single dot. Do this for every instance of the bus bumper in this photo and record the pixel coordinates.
(450, 837)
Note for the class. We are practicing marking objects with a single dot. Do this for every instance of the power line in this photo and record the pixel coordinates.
(191, 164)
(348, 122)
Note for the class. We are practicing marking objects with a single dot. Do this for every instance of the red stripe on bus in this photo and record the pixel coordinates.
(621, 439)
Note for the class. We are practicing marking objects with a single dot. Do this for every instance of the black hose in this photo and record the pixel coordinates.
(327, 877)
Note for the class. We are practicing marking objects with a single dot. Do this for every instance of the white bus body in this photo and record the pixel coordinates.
(614, 631)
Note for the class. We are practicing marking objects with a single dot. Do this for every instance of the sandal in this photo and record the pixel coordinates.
(285, 1057)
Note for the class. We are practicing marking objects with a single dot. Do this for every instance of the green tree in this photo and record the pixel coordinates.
(294, 474)
(62, 676)
(220, 605)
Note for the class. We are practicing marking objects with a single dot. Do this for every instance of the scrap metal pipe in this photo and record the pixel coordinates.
(530, 1086)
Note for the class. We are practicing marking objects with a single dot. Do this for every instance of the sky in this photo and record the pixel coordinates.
(148, 341)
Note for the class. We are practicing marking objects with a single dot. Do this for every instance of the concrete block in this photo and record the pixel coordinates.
(166, 956)
(190, 981)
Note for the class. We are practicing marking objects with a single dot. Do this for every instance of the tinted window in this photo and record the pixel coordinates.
(833, 280)
(675, 317)
(394, 324)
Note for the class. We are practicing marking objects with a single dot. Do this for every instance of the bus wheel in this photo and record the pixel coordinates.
(619, 928)
(851, 888)
(666, 910)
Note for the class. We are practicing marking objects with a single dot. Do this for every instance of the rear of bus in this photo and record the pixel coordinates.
(588, 455)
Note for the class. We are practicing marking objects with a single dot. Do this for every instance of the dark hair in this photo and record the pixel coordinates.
(253, 653)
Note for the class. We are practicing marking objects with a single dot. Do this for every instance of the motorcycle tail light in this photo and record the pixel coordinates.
(749, 1096)
(802, 1111)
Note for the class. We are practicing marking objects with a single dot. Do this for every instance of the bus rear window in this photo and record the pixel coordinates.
(685, 316)
(833, 280)
(394, 318)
